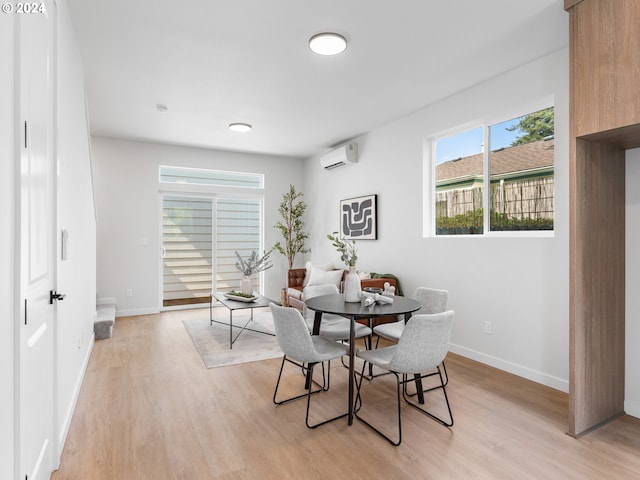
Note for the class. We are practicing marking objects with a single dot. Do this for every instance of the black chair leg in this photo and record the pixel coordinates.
(316, 425)
(367, 346)
(358, 406)
(401, 387)
(446, 382)
(308, 386)
(326, 381)
(446, 423)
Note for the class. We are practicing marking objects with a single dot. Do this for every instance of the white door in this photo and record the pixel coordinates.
(37, 245)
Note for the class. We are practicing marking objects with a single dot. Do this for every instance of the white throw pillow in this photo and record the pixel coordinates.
(310, 266)
(323, 277)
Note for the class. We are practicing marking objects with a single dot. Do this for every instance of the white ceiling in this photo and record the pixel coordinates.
(214, 62)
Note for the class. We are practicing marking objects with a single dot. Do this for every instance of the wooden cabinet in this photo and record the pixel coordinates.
(605, 120)
(605, 65)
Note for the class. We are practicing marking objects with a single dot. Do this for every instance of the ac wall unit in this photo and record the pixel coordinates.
(345, 155)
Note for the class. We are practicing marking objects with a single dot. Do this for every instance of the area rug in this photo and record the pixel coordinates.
(212, 341)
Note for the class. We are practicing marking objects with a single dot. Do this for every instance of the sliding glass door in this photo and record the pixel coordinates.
(238, 229)
(200, 236)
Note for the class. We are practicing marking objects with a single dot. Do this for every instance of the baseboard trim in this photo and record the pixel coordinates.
(137, 311)
(64, 431)
(106, 301)
(521, 371)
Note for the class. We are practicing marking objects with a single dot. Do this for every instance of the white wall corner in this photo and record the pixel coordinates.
(632, 408)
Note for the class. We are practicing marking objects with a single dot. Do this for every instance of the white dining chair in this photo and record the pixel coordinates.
(421, 349)
(433, 300)
(333, 327)
(305, 351)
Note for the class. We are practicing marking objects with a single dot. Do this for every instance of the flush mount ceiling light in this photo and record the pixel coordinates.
(240, 127)
(327, 43)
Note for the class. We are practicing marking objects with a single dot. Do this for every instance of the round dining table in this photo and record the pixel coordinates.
(335, 304)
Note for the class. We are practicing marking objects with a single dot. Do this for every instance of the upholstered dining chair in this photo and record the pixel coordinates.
(433, 300)
(333, 327)
(304, 350)
(421, 349)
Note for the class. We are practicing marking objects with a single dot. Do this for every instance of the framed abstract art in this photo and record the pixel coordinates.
(358, 218)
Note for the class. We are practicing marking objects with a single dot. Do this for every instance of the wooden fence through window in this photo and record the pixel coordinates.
(523, 199)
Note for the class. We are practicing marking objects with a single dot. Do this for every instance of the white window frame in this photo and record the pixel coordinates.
(210, 191)
(257, 176)
(429, 176)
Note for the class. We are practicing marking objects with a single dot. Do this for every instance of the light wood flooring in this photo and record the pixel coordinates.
(149, 409)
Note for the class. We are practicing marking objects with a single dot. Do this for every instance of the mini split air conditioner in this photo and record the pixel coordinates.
(344, 155)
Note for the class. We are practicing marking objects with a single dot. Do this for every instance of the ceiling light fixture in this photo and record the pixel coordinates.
(327, 43)
(240, 127)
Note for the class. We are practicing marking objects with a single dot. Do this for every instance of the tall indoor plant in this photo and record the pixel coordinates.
(291, 226)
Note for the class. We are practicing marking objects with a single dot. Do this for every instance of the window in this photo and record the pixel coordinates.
(514, 176)
(200, 235)
(459, 183)
(521, 173)
(238, 228)
(187, 258)
(220, 178)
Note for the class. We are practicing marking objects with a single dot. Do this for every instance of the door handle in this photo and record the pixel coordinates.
(53, 295)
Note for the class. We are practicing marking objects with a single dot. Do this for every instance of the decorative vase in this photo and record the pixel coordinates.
(247, 285)
(352, 286)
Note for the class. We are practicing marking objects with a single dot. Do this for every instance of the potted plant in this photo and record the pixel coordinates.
(346, 249)
(252, 265)
(291, 226)
(349, 256)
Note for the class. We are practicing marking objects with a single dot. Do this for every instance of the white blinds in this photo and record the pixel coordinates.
(237, 229)
(187, 262)
(200, 237)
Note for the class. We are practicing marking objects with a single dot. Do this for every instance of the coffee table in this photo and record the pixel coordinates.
(232, 305)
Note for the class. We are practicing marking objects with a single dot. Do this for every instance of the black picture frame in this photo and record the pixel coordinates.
(358, 218)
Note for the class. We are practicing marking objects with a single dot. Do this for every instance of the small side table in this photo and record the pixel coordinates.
(232, 305)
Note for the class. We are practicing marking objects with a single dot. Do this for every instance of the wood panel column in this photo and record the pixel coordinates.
(605, 120)
(597, 283)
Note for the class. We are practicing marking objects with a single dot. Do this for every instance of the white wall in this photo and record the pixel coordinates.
(7, 194)
(632, 282)
(128, 201)
(521, 285)
(74, 322)
(76, 213)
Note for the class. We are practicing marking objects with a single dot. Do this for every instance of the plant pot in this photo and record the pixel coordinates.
(246, 286)
(352, 287)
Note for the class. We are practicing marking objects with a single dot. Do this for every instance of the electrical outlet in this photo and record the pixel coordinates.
(129, 292)
(488, 328)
